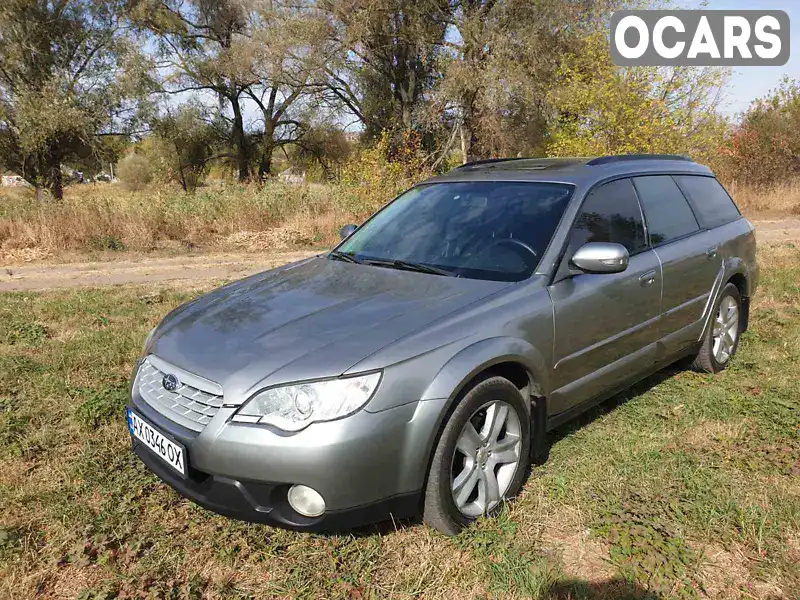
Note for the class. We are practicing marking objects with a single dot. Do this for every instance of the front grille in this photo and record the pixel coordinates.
(192, 406)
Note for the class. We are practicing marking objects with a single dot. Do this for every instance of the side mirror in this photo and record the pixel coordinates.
(346, 231)
(601, 257)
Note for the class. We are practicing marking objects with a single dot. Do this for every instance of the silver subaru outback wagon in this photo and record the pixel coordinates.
(417, 367)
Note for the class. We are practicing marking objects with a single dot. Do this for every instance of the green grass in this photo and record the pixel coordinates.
(684, 487)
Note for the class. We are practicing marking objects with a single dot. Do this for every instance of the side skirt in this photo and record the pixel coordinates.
(561, 418)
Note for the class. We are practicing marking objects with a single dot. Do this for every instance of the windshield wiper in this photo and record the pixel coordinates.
(407, 265)
(344, 257)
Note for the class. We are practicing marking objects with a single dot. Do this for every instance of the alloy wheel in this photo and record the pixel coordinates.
(486, 457)
(726, 330)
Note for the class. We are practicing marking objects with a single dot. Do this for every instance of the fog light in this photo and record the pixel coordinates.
(306, 501)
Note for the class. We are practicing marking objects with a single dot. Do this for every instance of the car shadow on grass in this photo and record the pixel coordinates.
(609, 405)
(616, 588)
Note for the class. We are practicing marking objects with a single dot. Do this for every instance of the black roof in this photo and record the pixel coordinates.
(571, 170)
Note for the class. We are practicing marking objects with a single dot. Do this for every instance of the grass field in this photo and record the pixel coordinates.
(687, 486)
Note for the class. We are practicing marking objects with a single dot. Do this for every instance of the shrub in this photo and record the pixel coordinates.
(134, 171)
(764, 150)
(378, 174)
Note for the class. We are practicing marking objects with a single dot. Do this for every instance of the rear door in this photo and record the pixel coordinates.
(690, 260)
(605, 324)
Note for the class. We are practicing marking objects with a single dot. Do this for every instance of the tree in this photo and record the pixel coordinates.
(183, 144)
(200, 44)
(239, 52)
(604, 109)
(384, 59)
(502, 60)
(69, 73)
(324, 145)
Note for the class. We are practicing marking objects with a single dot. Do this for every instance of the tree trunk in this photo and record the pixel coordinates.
(240, 142)
(56, 183)
(465, 137)
(468, 141)
(268, 147)
(51, 176)
(265, 165)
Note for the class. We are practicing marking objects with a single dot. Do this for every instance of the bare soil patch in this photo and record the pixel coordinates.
(175, 270)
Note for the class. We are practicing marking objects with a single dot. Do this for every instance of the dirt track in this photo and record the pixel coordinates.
(225, 266)
(174, 270)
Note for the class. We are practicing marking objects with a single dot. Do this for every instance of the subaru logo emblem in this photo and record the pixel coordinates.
(170, 382)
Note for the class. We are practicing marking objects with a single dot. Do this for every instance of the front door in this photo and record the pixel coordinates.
(606, 325)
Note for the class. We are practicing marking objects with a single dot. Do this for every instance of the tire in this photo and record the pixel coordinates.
(492, 397)
(707, 360)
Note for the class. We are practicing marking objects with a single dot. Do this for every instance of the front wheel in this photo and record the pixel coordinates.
(722, 338)
(481, 458)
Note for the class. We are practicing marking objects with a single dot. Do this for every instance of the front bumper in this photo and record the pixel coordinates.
(367, 467)
(259, 502)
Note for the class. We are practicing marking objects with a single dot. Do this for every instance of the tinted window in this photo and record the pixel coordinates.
(709, 199)
(477, 229)
(667, 212)
(610, 213)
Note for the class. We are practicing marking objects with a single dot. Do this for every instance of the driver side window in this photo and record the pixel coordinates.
(610, 213)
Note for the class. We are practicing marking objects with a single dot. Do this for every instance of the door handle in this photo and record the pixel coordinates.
(647, 279)
(712, 252)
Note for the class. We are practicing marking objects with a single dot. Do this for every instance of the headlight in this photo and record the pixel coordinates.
(294, 407)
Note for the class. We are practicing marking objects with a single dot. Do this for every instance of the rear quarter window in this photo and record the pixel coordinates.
(712, 204)
(666, 211)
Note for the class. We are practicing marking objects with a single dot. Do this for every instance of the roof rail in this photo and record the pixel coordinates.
(604, 160)
(488, 161)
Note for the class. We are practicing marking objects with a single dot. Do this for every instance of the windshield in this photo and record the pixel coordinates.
(477, 229)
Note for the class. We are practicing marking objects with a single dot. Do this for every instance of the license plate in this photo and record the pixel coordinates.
(164, 448)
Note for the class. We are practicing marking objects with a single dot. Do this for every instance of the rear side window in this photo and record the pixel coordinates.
(610, 213)
(712, 204)
(666, 210)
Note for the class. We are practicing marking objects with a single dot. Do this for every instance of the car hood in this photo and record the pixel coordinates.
(312, 319)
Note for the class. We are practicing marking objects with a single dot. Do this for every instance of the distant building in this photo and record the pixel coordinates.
(12, 180)
(292, 176)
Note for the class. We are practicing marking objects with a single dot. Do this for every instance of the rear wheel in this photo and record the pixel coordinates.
(722, 338)
(481, 458)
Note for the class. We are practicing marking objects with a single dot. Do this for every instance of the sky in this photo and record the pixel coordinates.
(748, 83)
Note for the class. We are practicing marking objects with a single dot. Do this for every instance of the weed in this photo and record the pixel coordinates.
(21, 330)
(647, 547)
(105, 242)
(101, 404)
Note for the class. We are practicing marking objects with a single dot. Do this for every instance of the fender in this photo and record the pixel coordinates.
(451, 380)
(732, 266)
(472, 360)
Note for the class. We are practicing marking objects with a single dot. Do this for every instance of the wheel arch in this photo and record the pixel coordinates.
(738, 276)
(512, 358)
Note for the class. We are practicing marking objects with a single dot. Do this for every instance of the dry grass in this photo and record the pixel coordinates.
(106, 217)
(780, 199)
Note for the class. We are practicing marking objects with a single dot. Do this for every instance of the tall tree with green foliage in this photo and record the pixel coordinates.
(601, 108)
(241, 52)
(183, 145)
(384, 58)
(70, 71)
